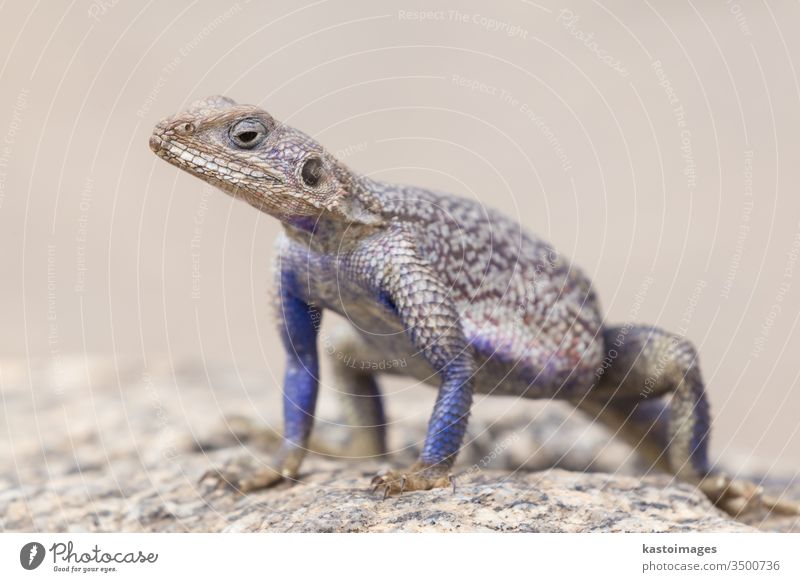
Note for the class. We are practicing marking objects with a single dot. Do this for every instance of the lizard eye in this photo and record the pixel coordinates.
(248, 133)
(312, 172)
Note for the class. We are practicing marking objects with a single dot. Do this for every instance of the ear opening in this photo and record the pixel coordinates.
(312, 172)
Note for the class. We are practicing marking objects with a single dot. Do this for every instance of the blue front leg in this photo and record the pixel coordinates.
(432, 323)
(299, 326)
(448, 422)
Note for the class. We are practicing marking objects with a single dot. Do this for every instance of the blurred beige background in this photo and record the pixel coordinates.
(656, 143)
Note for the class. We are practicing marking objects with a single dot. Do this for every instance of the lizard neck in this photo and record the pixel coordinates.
(332, 232)
(361, 204)
(338, 228)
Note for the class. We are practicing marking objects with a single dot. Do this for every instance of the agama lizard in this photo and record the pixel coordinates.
(470, 301)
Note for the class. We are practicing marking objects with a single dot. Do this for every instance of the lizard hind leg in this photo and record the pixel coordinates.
(652, 395)
(358, 394)
(361, 403)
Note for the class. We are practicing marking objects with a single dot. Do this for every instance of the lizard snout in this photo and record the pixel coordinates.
(157, 138)
(155, 143)
(168, 129)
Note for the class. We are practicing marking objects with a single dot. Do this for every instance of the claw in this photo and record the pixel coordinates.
(737, 497)
(220, 482)
(779, 506)
(376, 483)
(419, 477)
(206, 474)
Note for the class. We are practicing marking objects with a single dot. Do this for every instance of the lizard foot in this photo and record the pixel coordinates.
(242, 474)
(419, 477)
(738, 496)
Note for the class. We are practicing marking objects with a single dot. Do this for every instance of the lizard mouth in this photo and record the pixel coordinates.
(245, 185)
(164, 148)
(172, 151)
(176, 154)
(181, 156)
(208, 167)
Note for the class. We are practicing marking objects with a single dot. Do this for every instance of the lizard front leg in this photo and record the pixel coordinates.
(298, 325)
(431, 322)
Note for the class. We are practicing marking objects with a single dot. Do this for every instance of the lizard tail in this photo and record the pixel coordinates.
(651, 393)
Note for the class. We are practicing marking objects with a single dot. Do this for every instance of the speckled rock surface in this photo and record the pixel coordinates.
(102, 446)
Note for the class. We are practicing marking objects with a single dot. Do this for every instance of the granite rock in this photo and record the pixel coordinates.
(95, 445)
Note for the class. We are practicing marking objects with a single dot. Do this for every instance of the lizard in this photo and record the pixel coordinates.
(471, 301)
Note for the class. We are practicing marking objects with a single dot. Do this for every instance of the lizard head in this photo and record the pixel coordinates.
(245, 152)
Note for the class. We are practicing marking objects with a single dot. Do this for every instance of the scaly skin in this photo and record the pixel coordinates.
(463, 296)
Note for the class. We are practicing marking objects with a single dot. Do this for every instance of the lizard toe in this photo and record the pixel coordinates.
(737, 497)
(241, 475)
(418, 477)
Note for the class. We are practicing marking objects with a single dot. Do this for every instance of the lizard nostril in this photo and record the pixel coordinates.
(186, 128)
